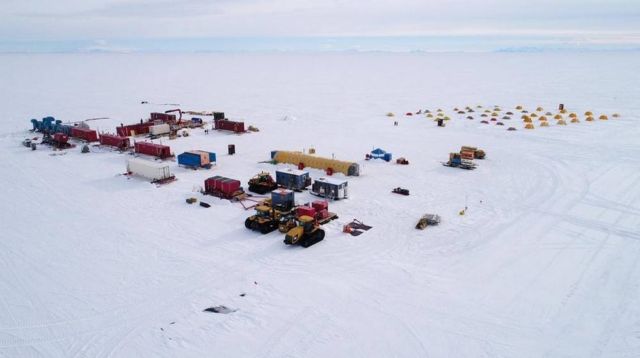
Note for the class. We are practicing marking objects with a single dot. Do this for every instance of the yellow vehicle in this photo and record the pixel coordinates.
(307, 233)
(264, 220)
(287, 222)
(268, 219)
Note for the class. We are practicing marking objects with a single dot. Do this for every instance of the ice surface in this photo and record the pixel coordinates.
(545, 261)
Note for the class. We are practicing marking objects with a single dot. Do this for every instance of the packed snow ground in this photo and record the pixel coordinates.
(546, 261)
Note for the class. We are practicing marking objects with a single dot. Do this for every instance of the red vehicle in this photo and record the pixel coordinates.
(85, 134)
(227, 125)
(114, 141)
(153, 149)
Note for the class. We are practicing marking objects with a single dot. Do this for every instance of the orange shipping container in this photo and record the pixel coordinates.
(466, 155)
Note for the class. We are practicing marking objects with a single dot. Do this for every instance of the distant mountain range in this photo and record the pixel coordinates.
(400, 44)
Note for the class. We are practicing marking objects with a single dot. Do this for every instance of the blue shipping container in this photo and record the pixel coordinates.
(189, 160)
(282, 199)
(293, 179)
(193, 160)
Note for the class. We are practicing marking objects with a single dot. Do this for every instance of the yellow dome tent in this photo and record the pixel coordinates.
(529, 126)
(603, 117)
(548, 114)
(524, 116)
(542, 118)
(563, 111)
(519, 107)
(588, 113)
(573, 115)
(575, 120)
(533, 115)
(429, 115)
(527, 120)
(589, 119)
(390, 114)
(539, 109)
(557, 116)
(561, 122)
(544, 124)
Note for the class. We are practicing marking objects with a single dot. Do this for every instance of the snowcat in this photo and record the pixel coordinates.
(307, 233)
(262, 183)
(265, 220)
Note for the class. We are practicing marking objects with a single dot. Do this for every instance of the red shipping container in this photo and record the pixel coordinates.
(322, 214)
(133, 129)
(210, 184)
(156, 150)
(228, 125)
(164, 117)
(230, 186)
(114, 140)
(306, 210)
(320, 205)
(222, 185)
(84, 133)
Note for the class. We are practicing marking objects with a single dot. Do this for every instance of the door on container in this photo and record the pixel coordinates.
(343, 191)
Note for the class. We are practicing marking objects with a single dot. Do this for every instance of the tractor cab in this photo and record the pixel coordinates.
(307, 233)
(263, 211)
(307, 222)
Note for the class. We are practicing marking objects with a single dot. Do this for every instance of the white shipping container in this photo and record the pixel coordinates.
(148, 169)
(159, 129)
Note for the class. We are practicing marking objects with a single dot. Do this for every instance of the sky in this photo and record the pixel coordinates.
(124, 25)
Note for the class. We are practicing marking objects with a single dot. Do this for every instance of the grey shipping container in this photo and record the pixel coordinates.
(293, 179)
(330, 188)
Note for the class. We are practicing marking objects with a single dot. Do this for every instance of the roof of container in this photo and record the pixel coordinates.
(191, 152)
(151, 144)
(333, 181)
(148, 162)
(282, 191)
(293, 171)
(107, 135)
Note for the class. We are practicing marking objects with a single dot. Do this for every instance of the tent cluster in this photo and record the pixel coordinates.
(495, 113)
